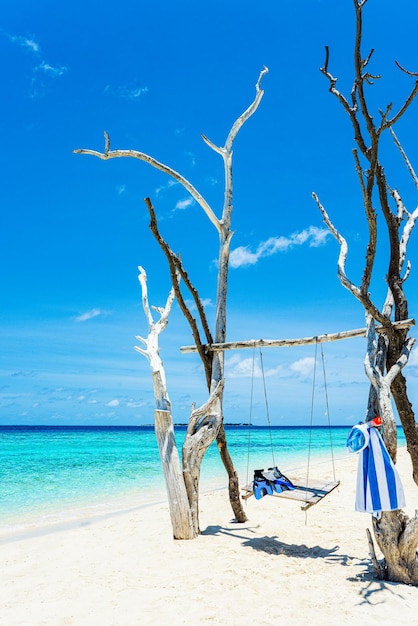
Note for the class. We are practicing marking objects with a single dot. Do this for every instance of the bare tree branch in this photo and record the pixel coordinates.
(405, 158)
(405, 70)
(350, 110)
(359, 64)
(247, 113)
(151, 350)
(403, 108)
(135, 154)
(226, 151)
(195, 419)
(364, 298)
(176, 267)
(402, 360)
(371, 220)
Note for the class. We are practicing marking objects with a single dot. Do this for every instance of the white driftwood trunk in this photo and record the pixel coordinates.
(181, 518)
(180, 513)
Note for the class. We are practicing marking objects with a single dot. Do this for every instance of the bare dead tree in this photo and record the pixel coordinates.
(395, 533)
(180, 512)
(206, 423)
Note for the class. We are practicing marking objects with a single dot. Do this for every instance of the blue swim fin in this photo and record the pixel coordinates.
(261, 486)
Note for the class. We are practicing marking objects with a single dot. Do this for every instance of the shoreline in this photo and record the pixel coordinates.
(282, 565)
(54, 516)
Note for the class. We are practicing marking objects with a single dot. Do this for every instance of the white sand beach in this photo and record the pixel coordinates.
(281, 567)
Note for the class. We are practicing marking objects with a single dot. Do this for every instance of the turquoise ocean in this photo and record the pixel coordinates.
(49, 473)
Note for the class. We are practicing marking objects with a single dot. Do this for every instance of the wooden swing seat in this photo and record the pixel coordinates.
(311, 493)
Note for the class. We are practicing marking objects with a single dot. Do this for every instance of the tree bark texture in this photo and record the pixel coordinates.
(397, 538)
(181, 516)
(233, 480)
(194, 449)
(407, 419)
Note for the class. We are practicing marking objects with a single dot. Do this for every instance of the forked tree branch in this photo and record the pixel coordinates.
(375, 176)
(135, 154)
(403, 108)
(350, 110)
(151, 349)
(226, 151)
(359, 65)
(204, 411)
(176, 268)
(362, 297)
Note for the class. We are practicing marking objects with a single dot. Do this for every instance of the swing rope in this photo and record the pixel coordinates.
(250, 416)
(327, 411)
(311, 412)
(328, 415)
(267, 407)
(251, 410)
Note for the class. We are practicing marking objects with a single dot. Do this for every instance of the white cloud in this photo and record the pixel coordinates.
(184, 204)
(303, 367)
(238, 367)
(88, 315)
(42, 69)
(49, 69)
(168, 185)
(132, 404)
(25, 43)
(131, 92)
(191, 157)
(136, 93)
(243, 256)
(206, 302)
(113, 403)
(413, 359)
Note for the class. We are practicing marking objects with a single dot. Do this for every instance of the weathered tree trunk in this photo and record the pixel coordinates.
(233, 480)
(396, 534)
(201, 432)
(180, 512)
(407, 418)
(397, 538)
(192, 461)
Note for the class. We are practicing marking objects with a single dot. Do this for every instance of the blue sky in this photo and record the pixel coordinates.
(155, 76)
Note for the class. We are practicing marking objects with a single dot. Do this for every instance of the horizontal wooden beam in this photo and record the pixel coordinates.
(280, 343)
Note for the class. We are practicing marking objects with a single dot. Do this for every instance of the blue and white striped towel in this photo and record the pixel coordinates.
(379, 487)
